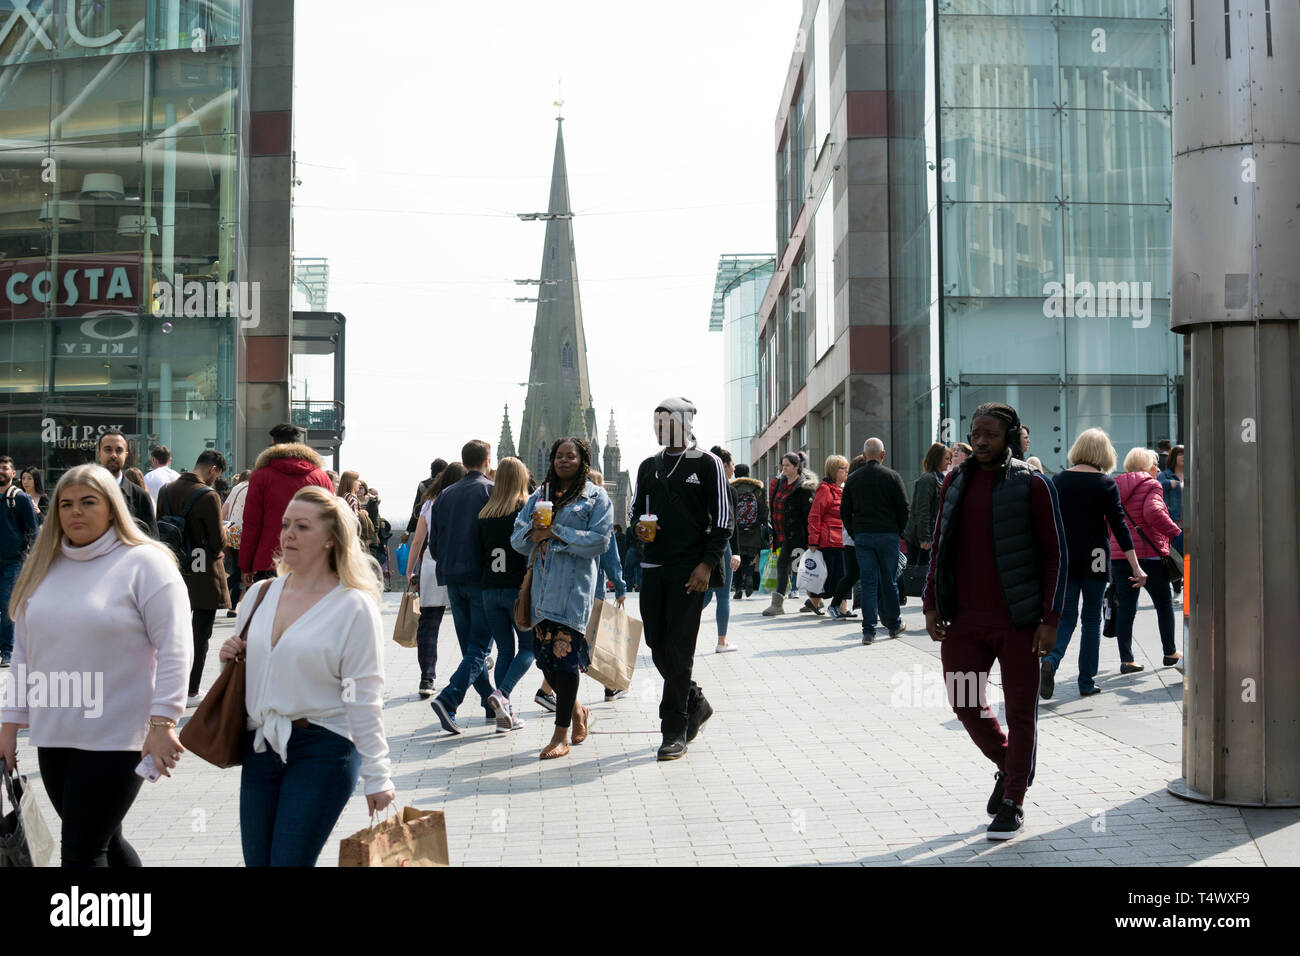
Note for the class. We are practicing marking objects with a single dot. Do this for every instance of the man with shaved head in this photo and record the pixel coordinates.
(874, 509)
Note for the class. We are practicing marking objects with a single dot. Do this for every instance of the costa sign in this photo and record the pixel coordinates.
(83, 286)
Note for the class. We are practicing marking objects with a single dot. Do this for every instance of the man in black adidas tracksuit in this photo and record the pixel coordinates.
(686, 489)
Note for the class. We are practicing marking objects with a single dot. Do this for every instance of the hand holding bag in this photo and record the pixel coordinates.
(408, 620)
(613, 640)
(25, 840)
(414, 838)
(216, 730)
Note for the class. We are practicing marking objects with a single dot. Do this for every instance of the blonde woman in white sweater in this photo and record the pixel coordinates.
(101, 659)
(315, 692)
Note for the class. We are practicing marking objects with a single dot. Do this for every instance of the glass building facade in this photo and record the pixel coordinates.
(1054, 173)
(120, 161)
(738, 294)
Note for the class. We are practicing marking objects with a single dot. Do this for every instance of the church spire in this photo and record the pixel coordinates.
(506, 444)
(559, 389)
(613, 457)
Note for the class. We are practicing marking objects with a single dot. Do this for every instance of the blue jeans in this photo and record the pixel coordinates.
(878, 564)
(475, 641)
(1126, 595)
(723, 593)
(512, 664)
(8, 576)
(1093, 590)
(287, 809)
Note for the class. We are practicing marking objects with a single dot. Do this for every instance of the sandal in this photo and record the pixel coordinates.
(581, 728)
(551, 751)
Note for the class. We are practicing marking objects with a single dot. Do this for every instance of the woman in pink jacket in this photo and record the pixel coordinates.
(1144, 507)
(826, 531)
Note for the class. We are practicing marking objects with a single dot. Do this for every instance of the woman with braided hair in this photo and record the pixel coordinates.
(564, 547)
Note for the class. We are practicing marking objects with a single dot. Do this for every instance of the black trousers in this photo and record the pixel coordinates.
(671, 620)
(234, 577)
(201, 623)
(844, 587)
(91, 791)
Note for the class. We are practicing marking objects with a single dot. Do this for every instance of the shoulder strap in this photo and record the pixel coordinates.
(1137, 526)
(257, 602)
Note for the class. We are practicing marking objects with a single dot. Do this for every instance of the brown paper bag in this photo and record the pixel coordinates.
(613, 639)
(408, 620)
(414, 838)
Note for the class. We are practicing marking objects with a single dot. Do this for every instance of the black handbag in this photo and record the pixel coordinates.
(1110, 612)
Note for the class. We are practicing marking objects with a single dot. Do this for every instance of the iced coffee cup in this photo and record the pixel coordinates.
(543, 512)
(651, 523)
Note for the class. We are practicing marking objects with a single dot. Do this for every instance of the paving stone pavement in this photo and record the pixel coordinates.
(822, 751)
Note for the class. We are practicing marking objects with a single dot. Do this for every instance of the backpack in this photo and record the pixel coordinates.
(747, 511)
(11, 498)
(172, 527)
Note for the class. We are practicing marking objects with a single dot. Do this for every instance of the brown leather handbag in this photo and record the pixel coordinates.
(216, 731)
(524, 600)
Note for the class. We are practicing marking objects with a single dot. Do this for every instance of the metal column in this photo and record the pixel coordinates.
(1236, 295)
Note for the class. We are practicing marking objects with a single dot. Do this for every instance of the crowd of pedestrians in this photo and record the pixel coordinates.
(1012, 560)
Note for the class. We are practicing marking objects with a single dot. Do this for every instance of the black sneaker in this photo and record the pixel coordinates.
(426, 688)
(547, 701)
(1007, 823)
(1046, 680)
(895, 631)
(614, 694)
(695, 722)
(672, 748)
(445, 717)
(868, 639)
(995, 798)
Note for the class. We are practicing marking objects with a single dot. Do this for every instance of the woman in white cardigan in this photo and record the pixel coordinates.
(315, 693)
(102, 655)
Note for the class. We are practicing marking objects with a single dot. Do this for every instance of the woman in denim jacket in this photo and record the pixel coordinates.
(568, 552)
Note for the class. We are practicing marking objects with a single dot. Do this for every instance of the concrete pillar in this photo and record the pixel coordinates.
(1236, 295)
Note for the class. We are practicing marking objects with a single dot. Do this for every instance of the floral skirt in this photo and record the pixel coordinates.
(560, 648)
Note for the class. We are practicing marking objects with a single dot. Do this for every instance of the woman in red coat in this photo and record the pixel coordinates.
(826, 531)
(280, 471)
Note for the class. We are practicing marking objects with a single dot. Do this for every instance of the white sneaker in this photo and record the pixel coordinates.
(726, 648)
(508, 723)
(193, 700)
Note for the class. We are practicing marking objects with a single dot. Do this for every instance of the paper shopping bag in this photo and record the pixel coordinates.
(413, 838)
(408, 620)
(25, 840)
(613, 639)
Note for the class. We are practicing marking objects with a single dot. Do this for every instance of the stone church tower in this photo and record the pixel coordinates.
(559, 391)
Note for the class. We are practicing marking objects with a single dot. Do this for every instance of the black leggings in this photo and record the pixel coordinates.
(565, 686)
(91, 791)
(851, 575)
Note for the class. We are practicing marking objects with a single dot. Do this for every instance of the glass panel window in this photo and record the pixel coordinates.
(1001, 249)
(1002, 155)
(1117, 156)
(1000, 62)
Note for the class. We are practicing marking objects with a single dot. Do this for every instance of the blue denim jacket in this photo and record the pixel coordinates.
(1173, 496)
(564, 583)
(611, 569)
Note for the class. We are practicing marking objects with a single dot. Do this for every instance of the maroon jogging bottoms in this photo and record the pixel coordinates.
(968, 653)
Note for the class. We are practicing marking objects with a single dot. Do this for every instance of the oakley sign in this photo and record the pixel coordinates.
(21, 11)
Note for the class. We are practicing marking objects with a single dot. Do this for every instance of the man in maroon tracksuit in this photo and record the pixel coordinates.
(995, 590)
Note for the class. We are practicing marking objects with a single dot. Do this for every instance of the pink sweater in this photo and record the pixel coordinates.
(103, 643)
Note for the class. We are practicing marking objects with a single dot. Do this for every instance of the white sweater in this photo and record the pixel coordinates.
(328, 668)
(103, 643)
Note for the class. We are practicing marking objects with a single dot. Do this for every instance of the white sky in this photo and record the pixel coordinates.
(434, 108)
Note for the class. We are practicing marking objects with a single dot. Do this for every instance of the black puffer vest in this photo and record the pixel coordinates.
(1015, 544)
